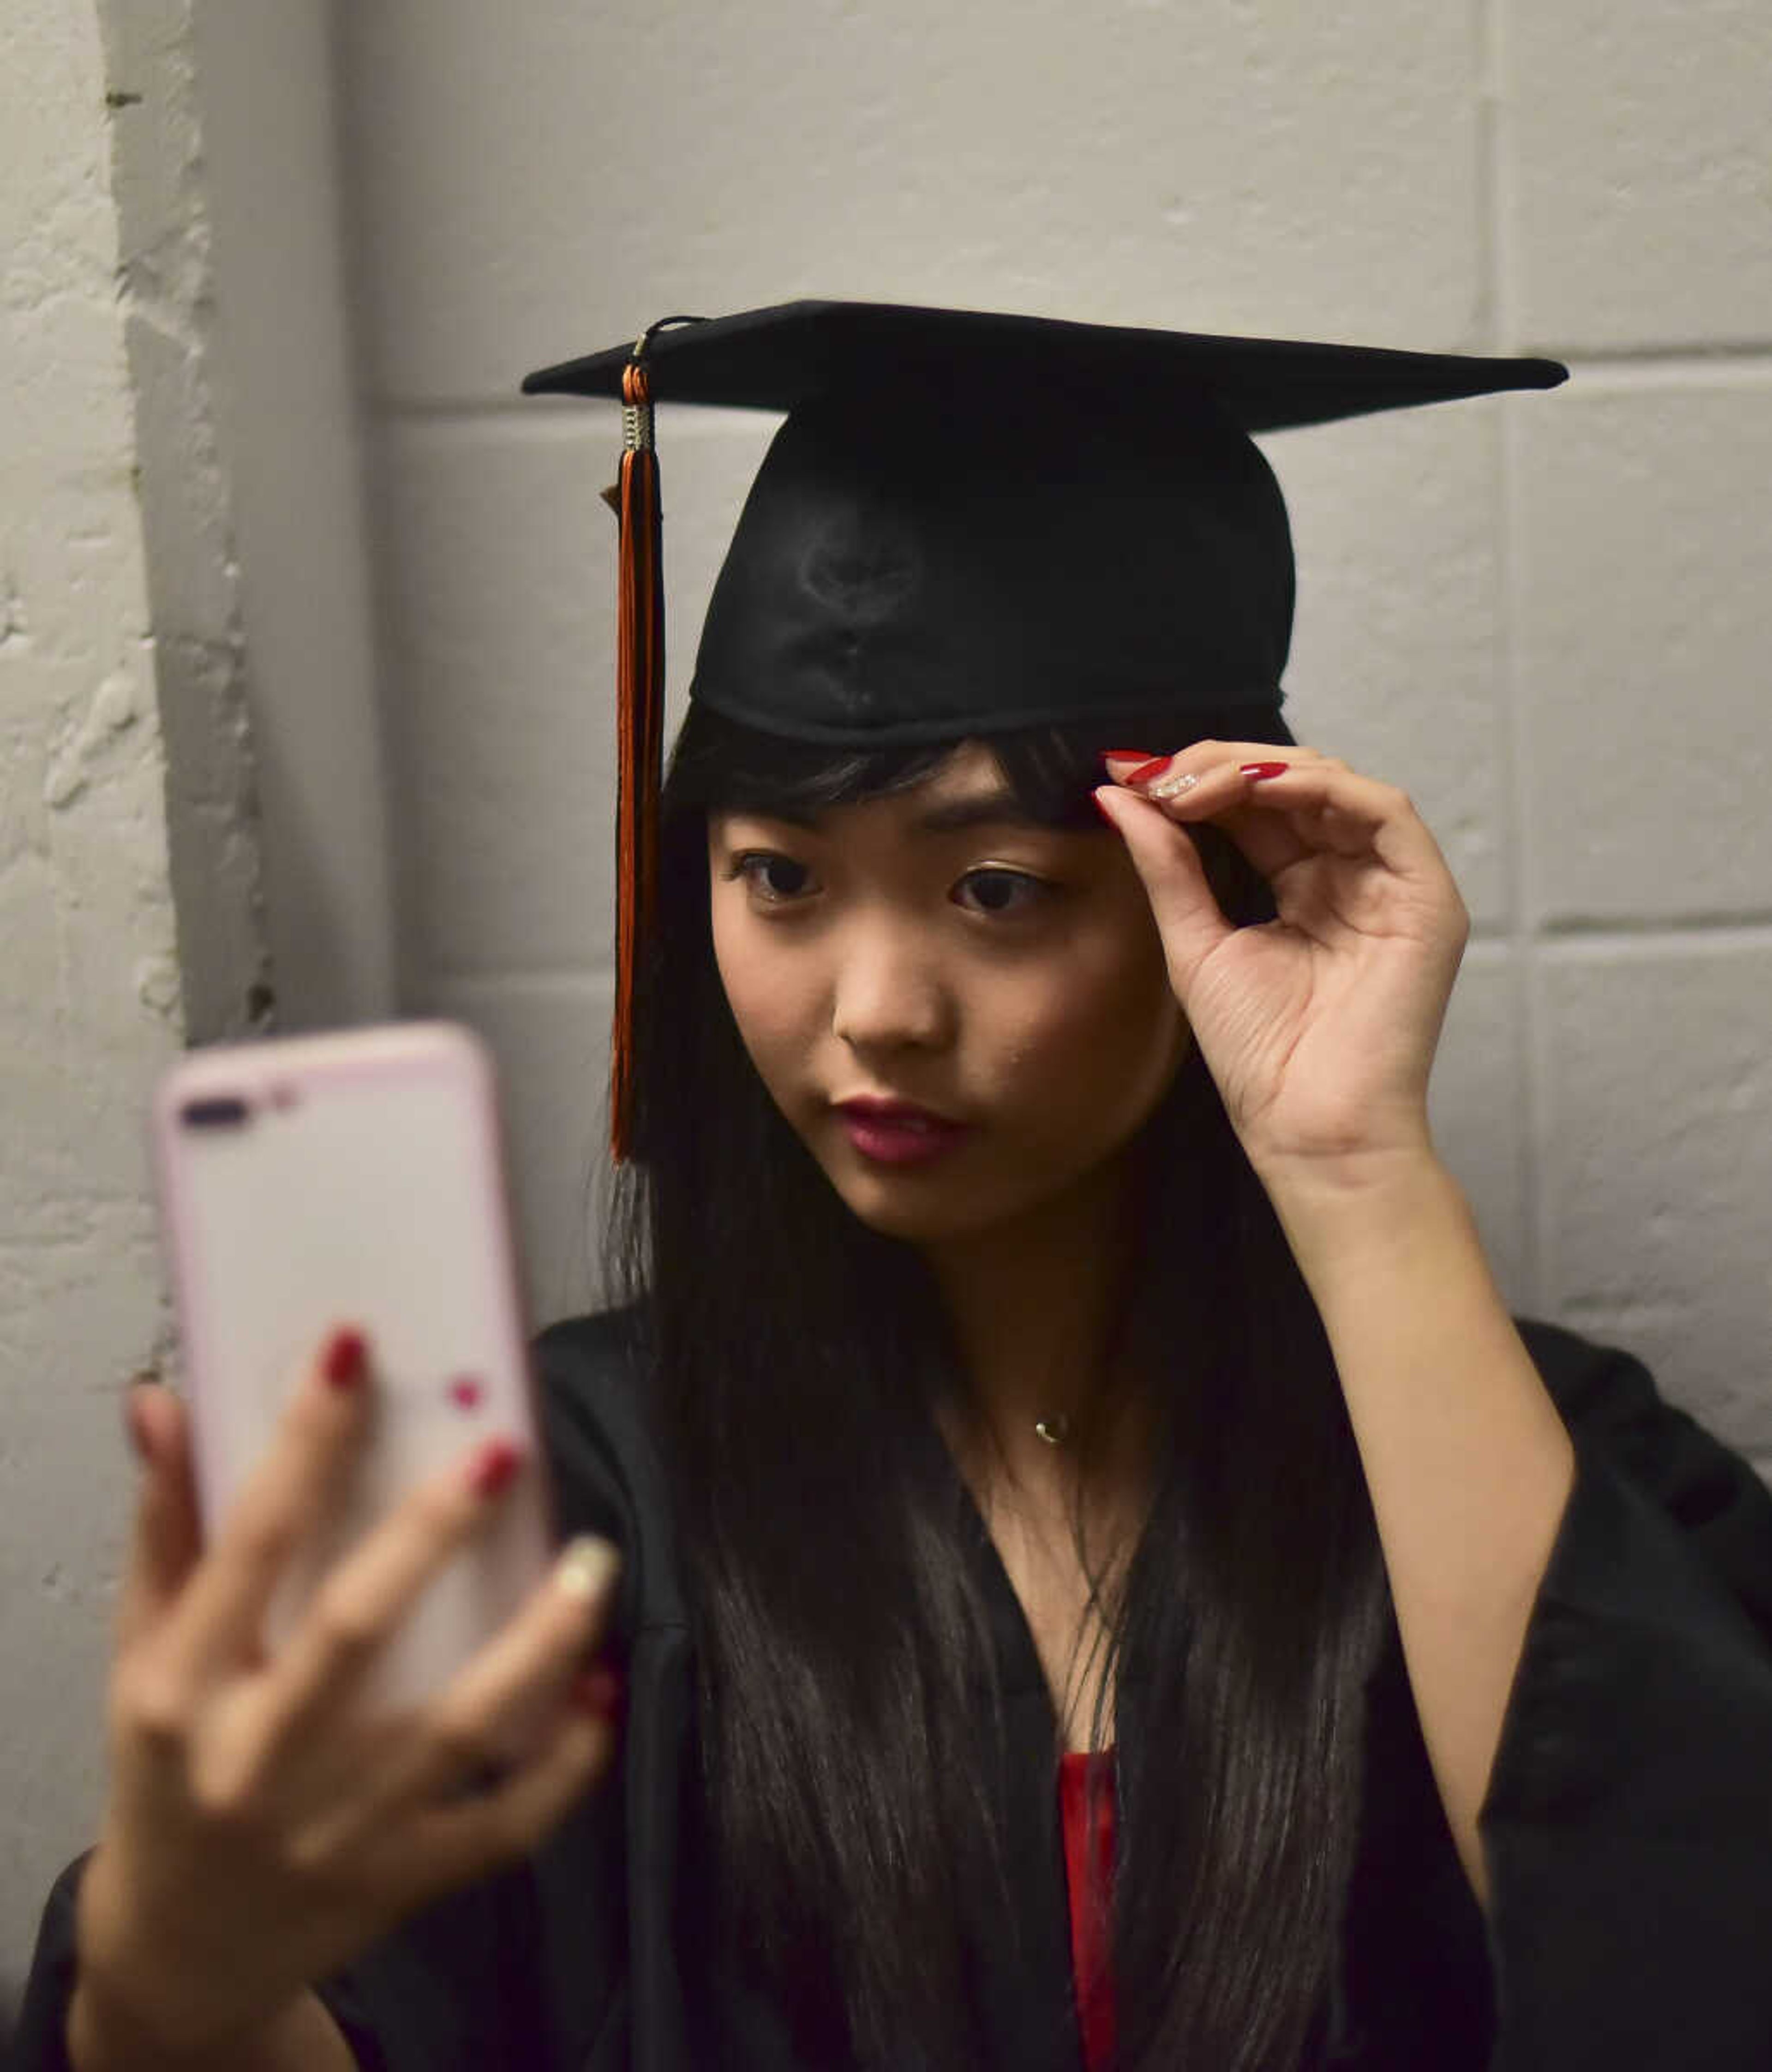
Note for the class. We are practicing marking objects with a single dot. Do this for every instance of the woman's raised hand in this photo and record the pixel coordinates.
(260, 1831)
(1320, 1027)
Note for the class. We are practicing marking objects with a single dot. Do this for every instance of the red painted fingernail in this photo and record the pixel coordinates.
(346, 1360)
(494, 1465)
(1126, 755)
(1147, 771)
(1258, 770)
(599, 1691)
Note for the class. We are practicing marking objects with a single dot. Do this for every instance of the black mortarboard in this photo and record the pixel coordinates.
(973, 523)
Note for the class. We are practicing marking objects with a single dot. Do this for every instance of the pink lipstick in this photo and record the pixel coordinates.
(895, 1132)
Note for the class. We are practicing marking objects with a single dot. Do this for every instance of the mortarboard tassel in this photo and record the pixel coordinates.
(639, 724)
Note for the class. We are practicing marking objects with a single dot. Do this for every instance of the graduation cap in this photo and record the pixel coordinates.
(970, 523)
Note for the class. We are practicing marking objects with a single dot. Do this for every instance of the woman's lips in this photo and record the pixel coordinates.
(899, 1133)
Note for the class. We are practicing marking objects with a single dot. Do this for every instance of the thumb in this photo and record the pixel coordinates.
(168, 1542)
(1188, 917)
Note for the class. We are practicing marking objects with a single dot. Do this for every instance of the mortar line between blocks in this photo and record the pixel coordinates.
(1654, 367)
(1633, 941)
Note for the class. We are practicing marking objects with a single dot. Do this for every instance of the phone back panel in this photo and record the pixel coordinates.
(359, 1180)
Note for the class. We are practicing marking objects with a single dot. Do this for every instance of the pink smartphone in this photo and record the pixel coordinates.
(357, 1177)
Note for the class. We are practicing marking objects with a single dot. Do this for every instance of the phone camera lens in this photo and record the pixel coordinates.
(220, 1112)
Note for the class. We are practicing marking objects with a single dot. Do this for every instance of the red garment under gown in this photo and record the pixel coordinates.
(1086, 1803)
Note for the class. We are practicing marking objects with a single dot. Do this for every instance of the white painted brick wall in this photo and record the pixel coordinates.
(530, 176)
(1645, 514)
(1653, 1074)
(89, 998)
(1639, 214)
(129, 798)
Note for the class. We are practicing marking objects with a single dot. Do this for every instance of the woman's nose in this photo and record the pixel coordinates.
(887, 996)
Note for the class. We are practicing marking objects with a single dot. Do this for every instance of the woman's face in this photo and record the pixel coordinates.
(962, 1013)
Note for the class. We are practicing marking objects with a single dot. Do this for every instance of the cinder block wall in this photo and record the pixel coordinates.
(1544, 615)
(89, 979)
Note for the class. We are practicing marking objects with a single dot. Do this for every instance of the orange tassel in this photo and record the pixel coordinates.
(639, 696)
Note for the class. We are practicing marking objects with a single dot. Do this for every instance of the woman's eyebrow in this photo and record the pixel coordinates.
(995, 808)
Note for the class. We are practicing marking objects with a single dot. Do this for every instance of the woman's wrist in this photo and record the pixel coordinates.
(104, 2035)
(1337, 1210)
(1390, 1228)
(103, 2032)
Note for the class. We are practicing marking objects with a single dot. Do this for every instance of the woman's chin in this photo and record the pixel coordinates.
(915, 1207)
(897, 1201)
(898, 1208)
(910, 1225)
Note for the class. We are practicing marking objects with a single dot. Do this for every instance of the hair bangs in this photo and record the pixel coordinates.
(720, 765)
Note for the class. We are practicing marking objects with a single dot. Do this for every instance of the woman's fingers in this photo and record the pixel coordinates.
(1216, 781)
(1216, 766)
(1281, 805)
(510, 1690)
(1188, 917)
(256, 1809)
(455, 1843)
(1348, 857)
(514, 1680)
(356, 1608)
(1323, 809)
(168, 1542)
(221, 1616)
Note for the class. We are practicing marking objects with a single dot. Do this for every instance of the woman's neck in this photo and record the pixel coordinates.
(1033, 1310)
(1032, 1307)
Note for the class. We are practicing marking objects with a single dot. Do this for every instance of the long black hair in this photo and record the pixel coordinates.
(798, 1357)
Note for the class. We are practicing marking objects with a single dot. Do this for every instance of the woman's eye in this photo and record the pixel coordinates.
(999, 891)
(772, 878)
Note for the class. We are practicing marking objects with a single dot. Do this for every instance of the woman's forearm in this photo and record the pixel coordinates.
(1469, 1464)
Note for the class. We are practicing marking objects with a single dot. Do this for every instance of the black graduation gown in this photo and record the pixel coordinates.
(1628, 1826)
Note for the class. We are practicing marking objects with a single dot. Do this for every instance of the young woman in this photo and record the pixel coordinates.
(1105, 1581)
